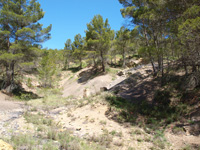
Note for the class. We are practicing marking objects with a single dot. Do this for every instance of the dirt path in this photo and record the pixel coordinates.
(10, 114)
(7, 105)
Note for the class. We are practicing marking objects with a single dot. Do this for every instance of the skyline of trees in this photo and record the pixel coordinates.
(165, 32)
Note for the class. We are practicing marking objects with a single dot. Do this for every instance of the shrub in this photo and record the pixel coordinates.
(162, 98)
(26, 141)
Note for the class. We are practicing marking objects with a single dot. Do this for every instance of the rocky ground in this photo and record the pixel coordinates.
(11, 119)
(86, 116)
(89, 82)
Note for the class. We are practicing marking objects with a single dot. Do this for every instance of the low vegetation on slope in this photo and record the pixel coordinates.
(107, 121)
(149, 78)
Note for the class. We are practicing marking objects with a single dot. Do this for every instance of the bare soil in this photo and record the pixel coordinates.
(83, 83)
(6, 103)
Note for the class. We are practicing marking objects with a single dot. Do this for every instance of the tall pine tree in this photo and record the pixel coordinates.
(67, 53)
(78, 48)
(20, 35)
(98, 36)
(122, 42)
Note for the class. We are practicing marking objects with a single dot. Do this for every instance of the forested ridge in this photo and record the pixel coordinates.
(164, 32)
(144, 77)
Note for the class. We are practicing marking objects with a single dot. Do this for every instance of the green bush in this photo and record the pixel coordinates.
(162, 98)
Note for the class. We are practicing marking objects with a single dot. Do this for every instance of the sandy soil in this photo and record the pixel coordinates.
(6, 103)
(72, 87)
(90, 120)
(179, 141)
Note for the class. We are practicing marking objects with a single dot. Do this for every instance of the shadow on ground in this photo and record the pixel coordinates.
(136, 88)
(143, 101)
(89, 74)
(21, 94)
(74, 69)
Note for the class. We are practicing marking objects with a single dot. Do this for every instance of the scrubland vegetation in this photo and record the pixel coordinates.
(153, 110)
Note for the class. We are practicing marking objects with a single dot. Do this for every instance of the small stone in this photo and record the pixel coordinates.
(103, 89)
(120, 73)
(78, 129)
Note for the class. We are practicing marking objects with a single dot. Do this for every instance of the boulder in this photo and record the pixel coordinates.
(130, 64)
(191, 82)
(193, 129)
(134, 62)
(86, 93)
(103, 89)
(10, 89)
(120, 73)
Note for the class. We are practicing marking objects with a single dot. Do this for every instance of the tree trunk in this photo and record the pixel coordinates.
(167, 62)
(115, 61)
(9, 81)
(94, 61)
(65, 64)
(172, 48)
(102, 62)
(150, 56)
(194, 69)
(155, 38)
(68, 64)
(185, 67)
(123, 55)
(162, 65)
(153, 66)
(80, 63)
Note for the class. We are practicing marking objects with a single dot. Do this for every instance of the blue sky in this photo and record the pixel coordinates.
(69, 17)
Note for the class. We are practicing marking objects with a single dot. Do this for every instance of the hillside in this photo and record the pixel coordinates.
(98, 119)
(80, 78)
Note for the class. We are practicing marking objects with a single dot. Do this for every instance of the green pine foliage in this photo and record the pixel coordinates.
(123, 42)
(167, 30)
(67, 53)
(48, 69)
(98, 37)
(20, 34)
(78, 51)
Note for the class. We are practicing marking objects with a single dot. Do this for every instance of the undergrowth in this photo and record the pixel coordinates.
(153, 115)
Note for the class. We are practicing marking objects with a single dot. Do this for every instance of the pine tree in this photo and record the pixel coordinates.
(123, 42)
(78, 48)
(67, 53)
(166, 27)
(20, 34)
(48, 68)
(189, 35)
(98, 36)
